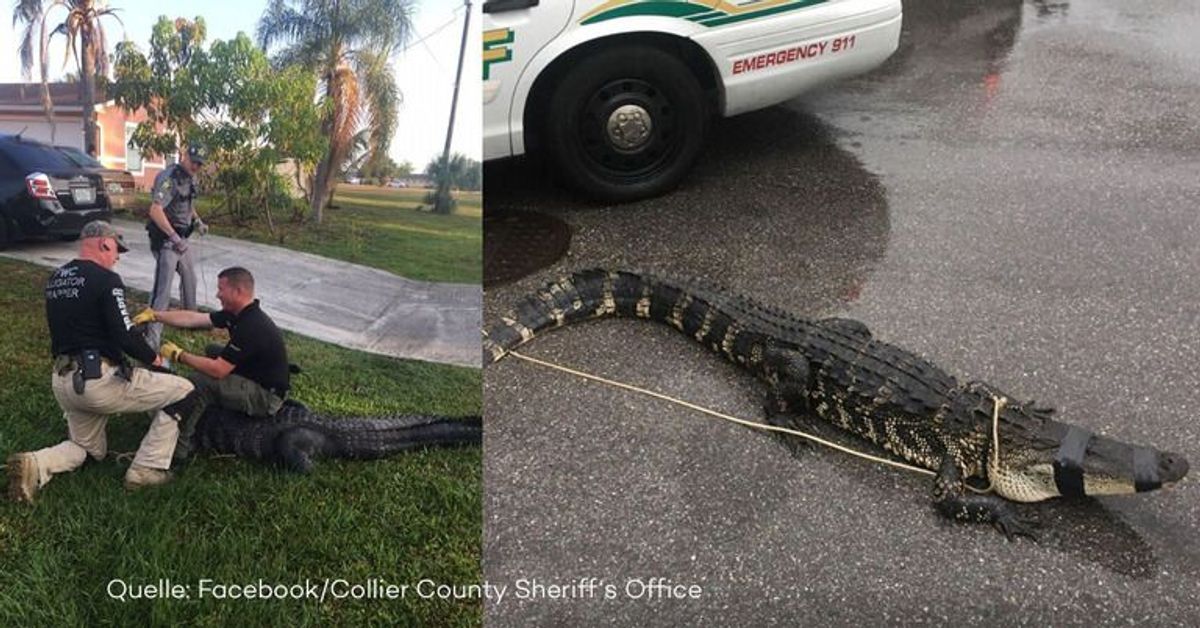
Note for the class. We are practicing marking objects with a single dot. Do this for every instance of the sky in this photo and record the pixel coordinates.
(424, 70)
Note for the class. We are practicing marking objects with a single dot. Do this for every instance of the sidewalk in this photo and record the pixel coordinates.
(346, 304)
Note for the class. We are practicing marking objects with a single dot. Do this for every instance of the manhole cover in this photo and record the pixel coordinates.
(516, 243)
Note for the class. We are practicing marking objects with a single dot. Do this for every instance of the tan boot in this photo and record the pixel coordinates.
(139, 476)
(22, 477)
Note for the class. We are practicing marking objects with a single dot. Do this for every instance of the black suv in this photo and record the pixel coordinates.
(44, 193)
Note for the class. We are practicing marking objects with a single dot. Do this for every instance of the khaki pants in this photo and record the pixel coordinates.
(87, 416)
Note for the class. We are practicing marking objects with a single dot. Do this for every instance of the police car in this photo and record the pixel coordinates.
(617, 93)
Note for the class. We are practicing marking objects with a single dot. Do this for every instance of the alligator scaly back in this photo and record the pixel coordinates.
(834, 369)
(295, 437)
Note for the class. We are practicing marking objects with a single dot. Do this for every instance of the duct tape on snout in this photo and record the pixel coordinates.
(1068, 462)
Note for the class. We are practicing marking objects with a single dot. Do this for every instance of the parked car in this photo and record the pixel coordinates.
(44, 193)
(617, 93)
(397, 183)
(118, 184)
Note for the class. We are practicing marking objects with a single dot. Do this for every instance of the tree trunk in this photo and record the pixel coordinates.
(87, 78)
(320, 193)
(322, 188)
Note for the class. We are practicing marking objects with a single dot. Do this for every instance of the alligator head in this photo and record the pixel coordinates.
(1041, 458)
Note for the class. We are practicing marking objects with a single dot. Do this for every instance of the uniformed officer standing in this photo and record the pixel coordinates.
(91, 332)
(173, 219)
(250, 374)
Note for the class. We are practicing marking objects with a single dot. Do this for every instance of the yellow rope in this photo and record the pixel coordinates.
(998, 404)
(751, 424)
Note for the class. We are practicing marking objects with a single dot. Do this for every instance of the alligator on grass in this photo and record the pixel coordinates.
(834, 369)
(295, 437)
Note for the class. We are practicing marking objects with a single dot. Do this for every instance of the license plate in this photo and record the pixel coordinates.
(83, 196)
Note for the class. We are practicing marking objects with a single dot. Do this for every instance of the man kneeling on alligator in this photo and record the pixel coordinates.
(248, 375)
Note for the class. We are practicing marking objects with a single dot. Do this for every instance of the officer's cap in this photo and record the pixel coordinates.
(197, 153)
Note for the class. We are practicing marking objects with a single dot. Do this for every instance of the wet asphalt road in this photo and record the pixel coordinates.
(1014, 195)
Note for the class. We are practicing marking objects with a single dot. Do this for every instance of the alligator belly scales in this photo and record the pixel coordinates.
(295, 437)
(835, 370)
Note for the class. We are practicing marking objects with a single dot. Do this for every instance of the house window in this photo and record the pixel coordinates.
(133, 157)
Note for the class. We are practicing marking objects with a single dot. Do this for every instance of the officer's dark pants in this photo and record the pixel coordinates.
(232, 392)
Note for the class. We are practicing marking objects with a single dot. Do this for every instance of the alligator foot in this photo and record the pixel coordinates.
(776, 408)
(989, 509)
(953, 502)
(779, 414)
(1013, 525)
(790, 382)
(295, 449)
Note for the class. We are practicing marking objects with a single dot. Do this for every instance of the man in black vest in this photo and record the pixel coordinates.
(90, 335)
(249, 374)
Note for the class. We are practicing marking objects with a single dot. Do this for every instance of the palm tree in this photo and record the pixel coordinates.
(82, 24)
(463, 172)
(349, 44)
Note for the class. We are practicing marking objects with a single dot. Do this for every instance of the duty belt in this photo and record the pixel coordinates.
(66, 362)
(86, 366)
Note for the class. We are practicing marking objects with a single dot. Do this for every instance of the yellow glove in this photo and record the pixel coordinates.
(145, 316)
(170, 350)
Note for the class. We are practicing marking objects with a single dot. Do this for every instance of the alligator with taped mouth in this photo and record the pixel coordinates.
(834, 369)
(295, 437)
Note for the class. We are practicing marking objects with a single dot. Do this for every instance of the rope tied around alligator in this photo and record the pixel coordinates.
(998, 404)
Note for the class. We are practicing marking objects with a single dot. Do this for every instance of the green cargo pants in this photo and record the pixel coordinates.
(232, 392)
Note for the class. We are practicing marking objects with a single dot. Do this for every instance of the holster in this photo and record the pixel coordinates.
(87, 367)
(125, 371)
(157, 237)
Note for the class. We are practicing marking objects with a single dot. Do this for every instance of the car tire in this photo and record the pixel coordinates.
(626, 123)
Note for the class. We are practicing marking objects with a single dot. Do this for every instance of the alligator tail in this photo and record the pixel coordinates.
(592, 294)
(371, 438)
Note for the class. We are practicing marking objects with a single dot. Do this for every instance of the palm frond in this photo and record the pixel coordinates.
(307, 54)
(25, 50)
(379, 25)
(99, 46)
(382, 100)
(282, 23)
(27, 12)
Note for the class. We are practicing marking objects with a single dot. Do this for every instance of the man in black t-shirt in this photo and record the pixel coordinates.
(90, 335)
(249, 374)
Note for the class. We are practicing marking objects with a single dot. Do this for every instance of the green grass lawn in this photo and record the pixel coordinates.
(378, 227)
(411, 517)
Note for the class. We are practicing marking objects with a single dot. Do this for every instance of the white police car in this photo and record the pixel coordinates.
(617, 93)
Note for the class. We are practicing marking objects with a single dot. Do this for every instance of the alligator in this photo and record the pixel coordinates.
(295, 437)
(835, 370)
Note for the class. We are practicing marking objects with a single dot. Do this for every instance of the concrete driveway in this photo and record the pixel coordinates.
(346, 304)
(1013, 196)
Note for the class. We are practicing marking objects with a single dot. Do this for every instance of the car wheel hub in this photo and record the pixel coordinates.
(629, 127)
